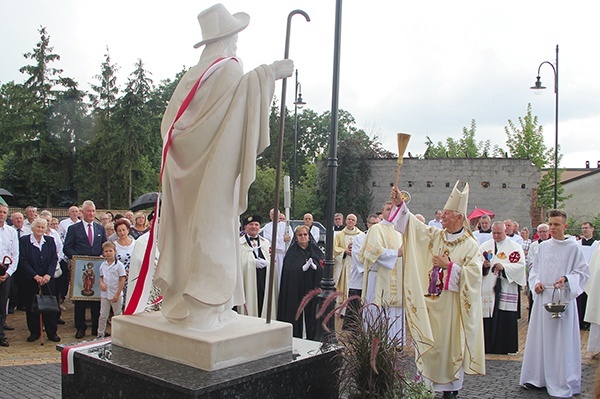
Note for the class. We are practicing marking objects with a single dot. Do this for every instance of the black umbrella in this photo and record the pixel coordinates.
(145, 201)
(5, 193)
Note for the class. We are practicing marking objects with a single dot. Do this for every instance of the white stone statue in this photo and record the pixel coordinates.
(209, 165)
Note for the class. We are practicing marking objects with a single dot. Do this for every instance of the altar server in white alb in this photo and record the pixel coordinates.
(552, 356)
(503, 273)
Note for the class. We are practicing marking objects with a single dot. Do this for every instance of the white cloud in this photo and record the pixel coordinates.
(426, 68)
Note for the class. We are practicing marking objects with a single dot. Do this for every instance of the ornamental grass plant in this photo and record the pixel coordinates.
(374, 364)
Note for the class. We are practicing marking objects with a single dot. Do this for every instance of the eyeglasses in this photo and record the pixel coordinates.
(302, 235)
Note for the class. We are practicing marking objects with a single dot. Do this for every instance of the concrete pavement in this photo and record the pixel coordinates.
(30, 370)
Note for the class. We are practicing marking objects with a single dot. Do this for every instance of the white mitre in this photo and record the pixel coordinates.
(458, 202)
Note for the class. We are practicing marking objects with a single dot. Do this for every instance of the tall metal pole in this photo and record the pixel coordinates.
(556, 132)
(294, 177)
(279, 159)
(538, 86)
(327, 283)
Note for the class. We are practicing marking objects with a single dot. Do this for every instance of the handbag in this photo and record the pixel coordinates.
(45, 304)
(6, 262)
(58, 271)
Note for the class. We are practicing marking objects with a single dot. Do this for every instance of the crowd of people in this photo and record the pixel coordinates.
(463, 286)
(36, 250)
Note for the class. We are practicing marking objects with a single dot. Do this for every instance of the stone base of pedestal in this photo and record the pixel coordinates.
(116, 372)
(242, 340)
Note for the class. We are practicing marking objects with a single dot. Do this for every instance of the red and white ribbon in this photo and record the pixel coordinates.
(68, 352)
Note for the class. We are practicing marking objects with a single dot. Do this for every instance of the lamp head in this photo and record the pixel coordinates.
(299, 102)
(537, 89)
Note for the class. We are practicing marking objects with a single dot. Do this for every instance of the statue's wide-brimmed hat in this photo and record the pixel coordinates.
(216, 23)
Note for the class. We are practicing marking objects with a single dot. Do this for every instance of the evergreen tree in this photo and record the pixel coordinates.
(104, 145)
(134, 124)
(38, 160)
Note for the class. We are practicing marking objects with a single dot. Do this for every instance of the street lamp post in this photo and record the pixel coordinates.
(298, 104)
(538, 87)
(327, 282)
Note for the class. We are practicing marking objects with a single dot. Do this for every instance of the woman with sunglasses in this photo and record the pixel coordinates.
(301, 273)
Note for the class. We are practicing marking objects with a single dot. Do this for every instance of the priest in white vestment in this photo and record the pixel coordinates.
(284, 236)
(592, 311)
(209, 163)
(381, 255)
(588, 245)
(552, 357)
(484, 233)
(357, 271)
(442, 286)
(342, 253)
(503, 273)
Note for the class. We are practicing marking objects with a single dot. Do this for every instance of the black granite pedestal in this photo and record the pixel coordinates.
(114, 372)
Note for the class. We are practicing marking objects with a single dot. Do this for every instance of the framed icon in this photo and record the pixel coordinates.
(85, 278)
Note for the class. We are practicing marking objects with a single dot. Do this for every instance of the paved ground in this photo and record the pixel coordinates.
(31, 370)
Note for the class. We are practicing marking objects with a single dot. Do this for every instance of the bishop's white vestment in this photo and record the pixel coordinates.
(447, 329)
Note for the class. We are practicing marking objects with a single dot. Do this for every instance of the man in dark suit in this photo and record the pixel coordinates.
(85, 238)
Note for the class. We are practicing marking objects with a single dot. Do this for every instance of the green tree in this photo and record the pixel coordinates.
(262, 192)
(355, 147)
(38, 154)
(135, 129)
(104, 144)
(527, 141)
(465, 147)
(104, 95)
(307, 199)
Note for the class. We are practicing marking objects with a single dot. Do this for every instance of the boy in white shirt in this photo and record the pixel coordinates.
(112, 280)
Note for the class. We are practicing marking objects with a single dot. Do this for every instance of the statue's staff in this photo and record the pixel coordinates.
(279, 160)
